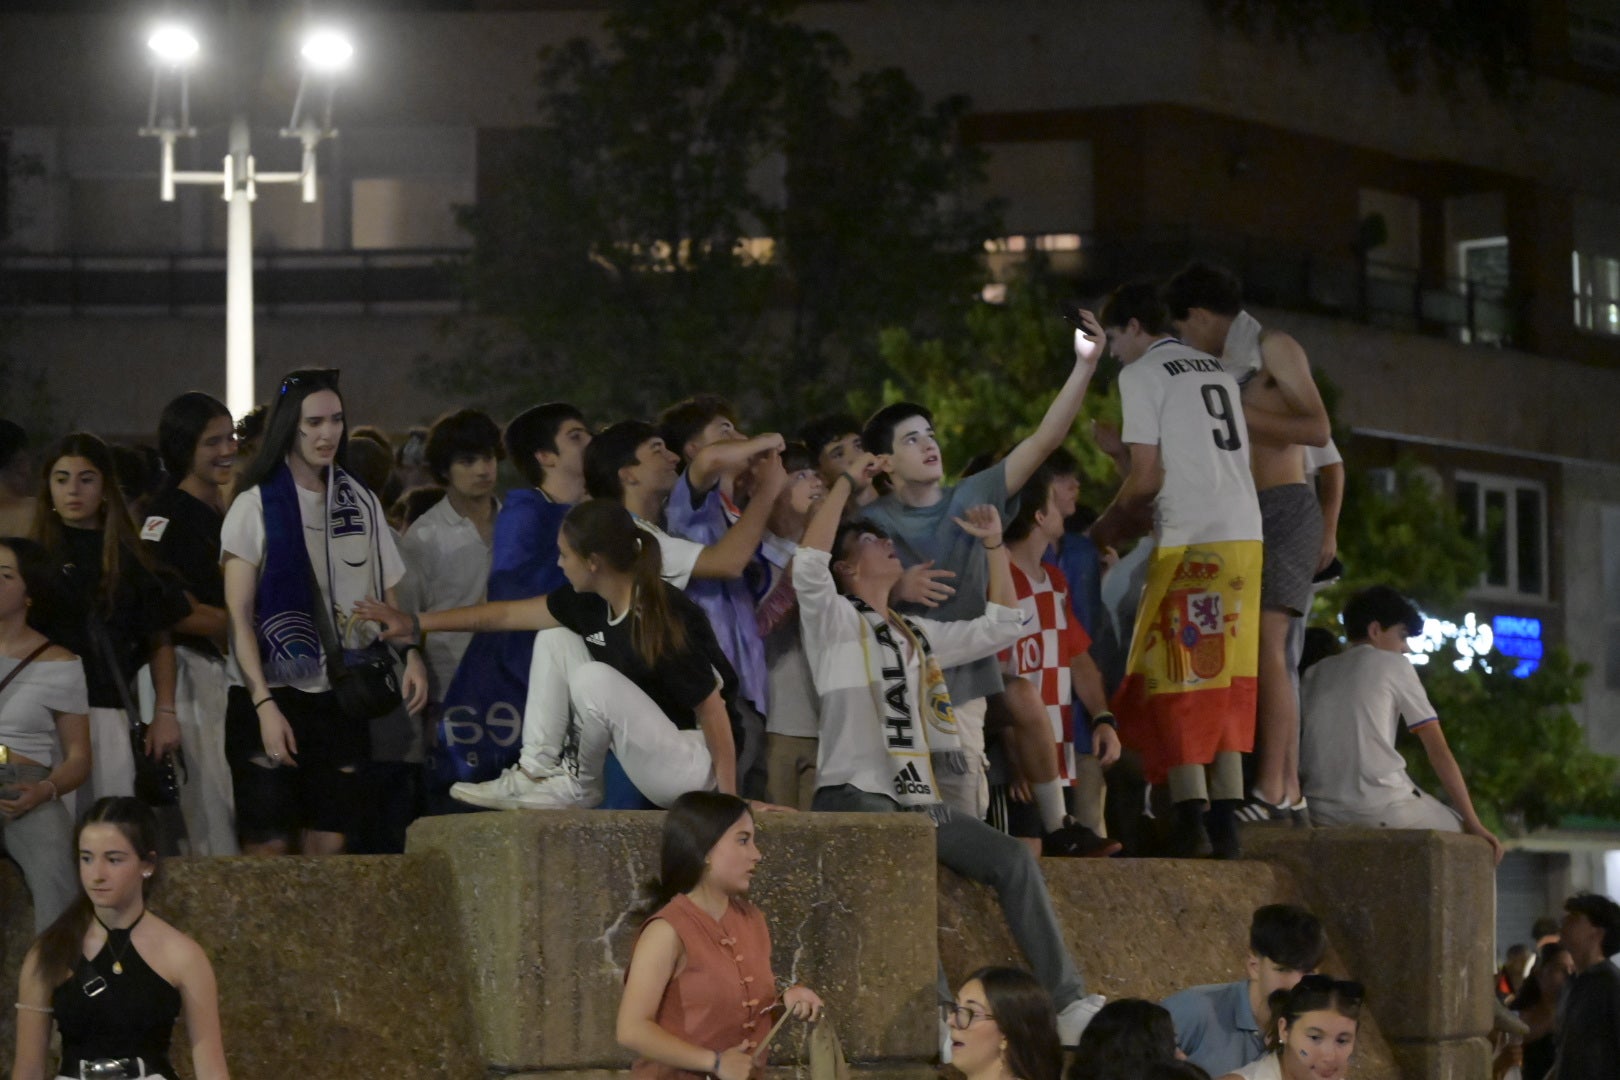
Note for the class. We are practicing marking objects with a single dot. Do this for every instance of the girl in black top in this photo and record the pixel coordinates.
(198, 444)
(631, 660)
(112, 975)
(116, 611)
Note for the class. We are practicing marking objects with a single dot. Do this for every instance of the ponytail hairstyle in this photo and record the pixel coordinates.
(59, 948)
(118, 541)
(695, 823)
(603, 529)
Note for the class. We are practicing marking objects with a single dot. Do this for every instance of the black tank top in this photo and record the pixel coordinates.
(131, 1014)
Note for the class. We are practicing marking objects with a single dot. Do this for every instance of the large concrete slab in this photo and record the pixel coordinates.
(1142, 928)
(1414, 913)
(326, 967)
(544, 899)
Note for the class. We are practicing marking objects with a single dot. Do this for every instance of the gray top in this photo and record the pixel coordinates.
(28, 706)
(921, 533)
(1215, 1027)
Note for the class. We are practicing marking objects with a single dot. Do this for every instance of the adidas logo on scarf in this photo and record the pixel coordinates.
(910, 781)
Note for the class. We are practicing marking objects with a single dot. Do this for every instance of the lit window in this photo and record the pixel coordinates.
(1597, 292)
(1510, 517)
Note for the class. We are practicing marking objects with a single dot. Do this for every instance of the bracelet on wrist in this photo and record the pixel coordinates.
(1106, 717)
(402, 651)
(262, 700)
(992, 547)
(165, 708)
(54, 793)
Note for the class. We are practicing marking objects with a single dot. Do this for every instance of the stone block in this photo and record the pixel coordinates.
(1413, 914)
(1453, 1059)
(1141, 928)
(545, 898)
(326, 966)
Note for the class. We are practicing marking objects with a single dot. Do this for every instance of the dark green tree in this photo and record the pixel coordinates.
(710, 204)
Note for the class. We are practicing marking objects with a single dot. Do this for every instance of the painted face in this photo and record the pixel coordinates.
(1318, 1046)
(1269, 976)
(320, 428)
(572, 439)
(976, 1040)
(110, 869)
(915, 457)
(13, 590)
(77, 492)
(732, 861)
(472, 476)
(655, 467)
(1203, 330)
(836, 456)
(215, 453)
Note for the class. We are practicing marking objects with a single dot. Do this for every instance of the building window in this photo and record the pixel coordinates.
(1510, 517)
(1597, 293)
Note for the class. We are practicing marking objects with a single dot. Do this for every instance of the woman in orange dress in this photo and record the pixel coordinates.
(699, 992)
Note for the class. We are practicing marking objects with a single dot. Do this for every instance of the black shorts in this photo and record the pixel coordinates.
(320, 792)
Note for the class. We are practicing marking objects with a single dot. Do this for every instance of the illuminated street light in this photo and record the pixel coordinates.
(174, 45)
(168, 118)
(327, 51)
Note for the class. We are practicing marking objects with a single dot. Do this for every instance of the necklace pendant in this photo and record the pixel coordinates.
(118, 967)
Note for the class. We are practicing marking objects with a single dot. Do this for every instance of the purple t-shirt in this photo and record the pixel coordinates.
(729, 604)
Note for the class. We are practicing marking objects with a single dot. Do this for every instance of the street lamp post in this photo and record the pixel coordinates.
(169, 118)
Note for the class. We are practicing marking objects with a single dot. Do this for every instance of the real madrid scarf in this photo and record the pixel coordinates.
(915, 753)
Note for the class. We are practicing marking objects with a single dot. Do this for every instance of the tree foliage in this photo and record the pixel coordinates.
(1521, 750)
(710, 204)
(990, 385)
(1440, 40)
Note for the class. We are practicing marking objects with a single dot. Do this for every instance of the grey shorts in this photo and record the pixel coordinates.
(1291, 527)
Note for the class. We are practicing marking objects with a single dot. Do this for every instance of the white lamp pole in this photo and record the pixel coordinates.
(168, 118)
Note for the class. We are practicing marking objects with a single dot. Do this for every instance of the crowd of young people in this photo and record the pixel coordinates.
(336, 637)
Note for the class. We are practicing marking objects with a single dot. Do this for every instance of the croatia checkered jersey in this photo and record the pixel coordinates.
(1042, 656)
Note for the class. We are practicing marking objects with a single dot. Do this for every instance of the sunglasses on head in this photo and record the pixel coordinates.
(1346, 990)
(321, 380)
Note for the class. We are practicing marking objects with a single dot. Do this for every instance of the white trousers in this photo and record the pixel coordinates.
(579, 709)
(1421, 811)
(207, 801)
(972, 795)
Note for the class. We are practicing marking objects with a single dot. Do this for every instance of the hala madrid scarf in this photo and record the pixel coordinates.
(914, 753)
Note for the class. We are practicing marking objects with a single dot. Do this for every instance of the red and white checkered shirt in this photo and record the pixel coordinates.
(1043, 656)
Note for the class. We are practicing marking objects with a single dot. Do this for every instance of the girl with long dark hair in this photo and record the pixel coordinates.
(1537, 1005)
(197, 442)
(303, 543)
(116, 612)
(113, 976)
(1314, 1033)
(1123, 1040)
(44, 727)
(625, 662)
(1003, 1027)
(685, 1011)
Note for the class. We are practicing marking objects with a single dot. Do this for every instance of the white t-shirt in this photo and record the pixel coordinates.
(680, 555)
(1352, 705)
(352, 575)
(1318, 458)
(1184, 402)
(1266, 1068)
(447, 563)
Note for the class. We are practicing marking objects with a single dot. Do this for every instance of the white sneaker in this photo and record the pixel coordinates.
(1075, 1017)
(516, 790)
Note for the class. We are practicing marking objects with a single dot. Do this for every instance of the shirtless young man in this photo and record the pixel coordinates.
(1285, 414)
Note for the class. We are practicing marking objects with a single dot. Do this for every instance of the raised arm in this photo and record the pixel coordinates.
(729, 556)
(1130, 514)
(1306, 421)
(732, 455)
(823, 527)
(984, 524)
(1027, 456)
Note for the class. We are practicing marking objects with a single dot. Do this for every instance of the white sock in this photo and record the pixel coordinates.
(1049, 801)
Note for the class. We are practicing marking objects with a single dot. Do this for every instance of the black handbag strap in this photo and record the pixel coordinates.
(103, 643)
(29, 659)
